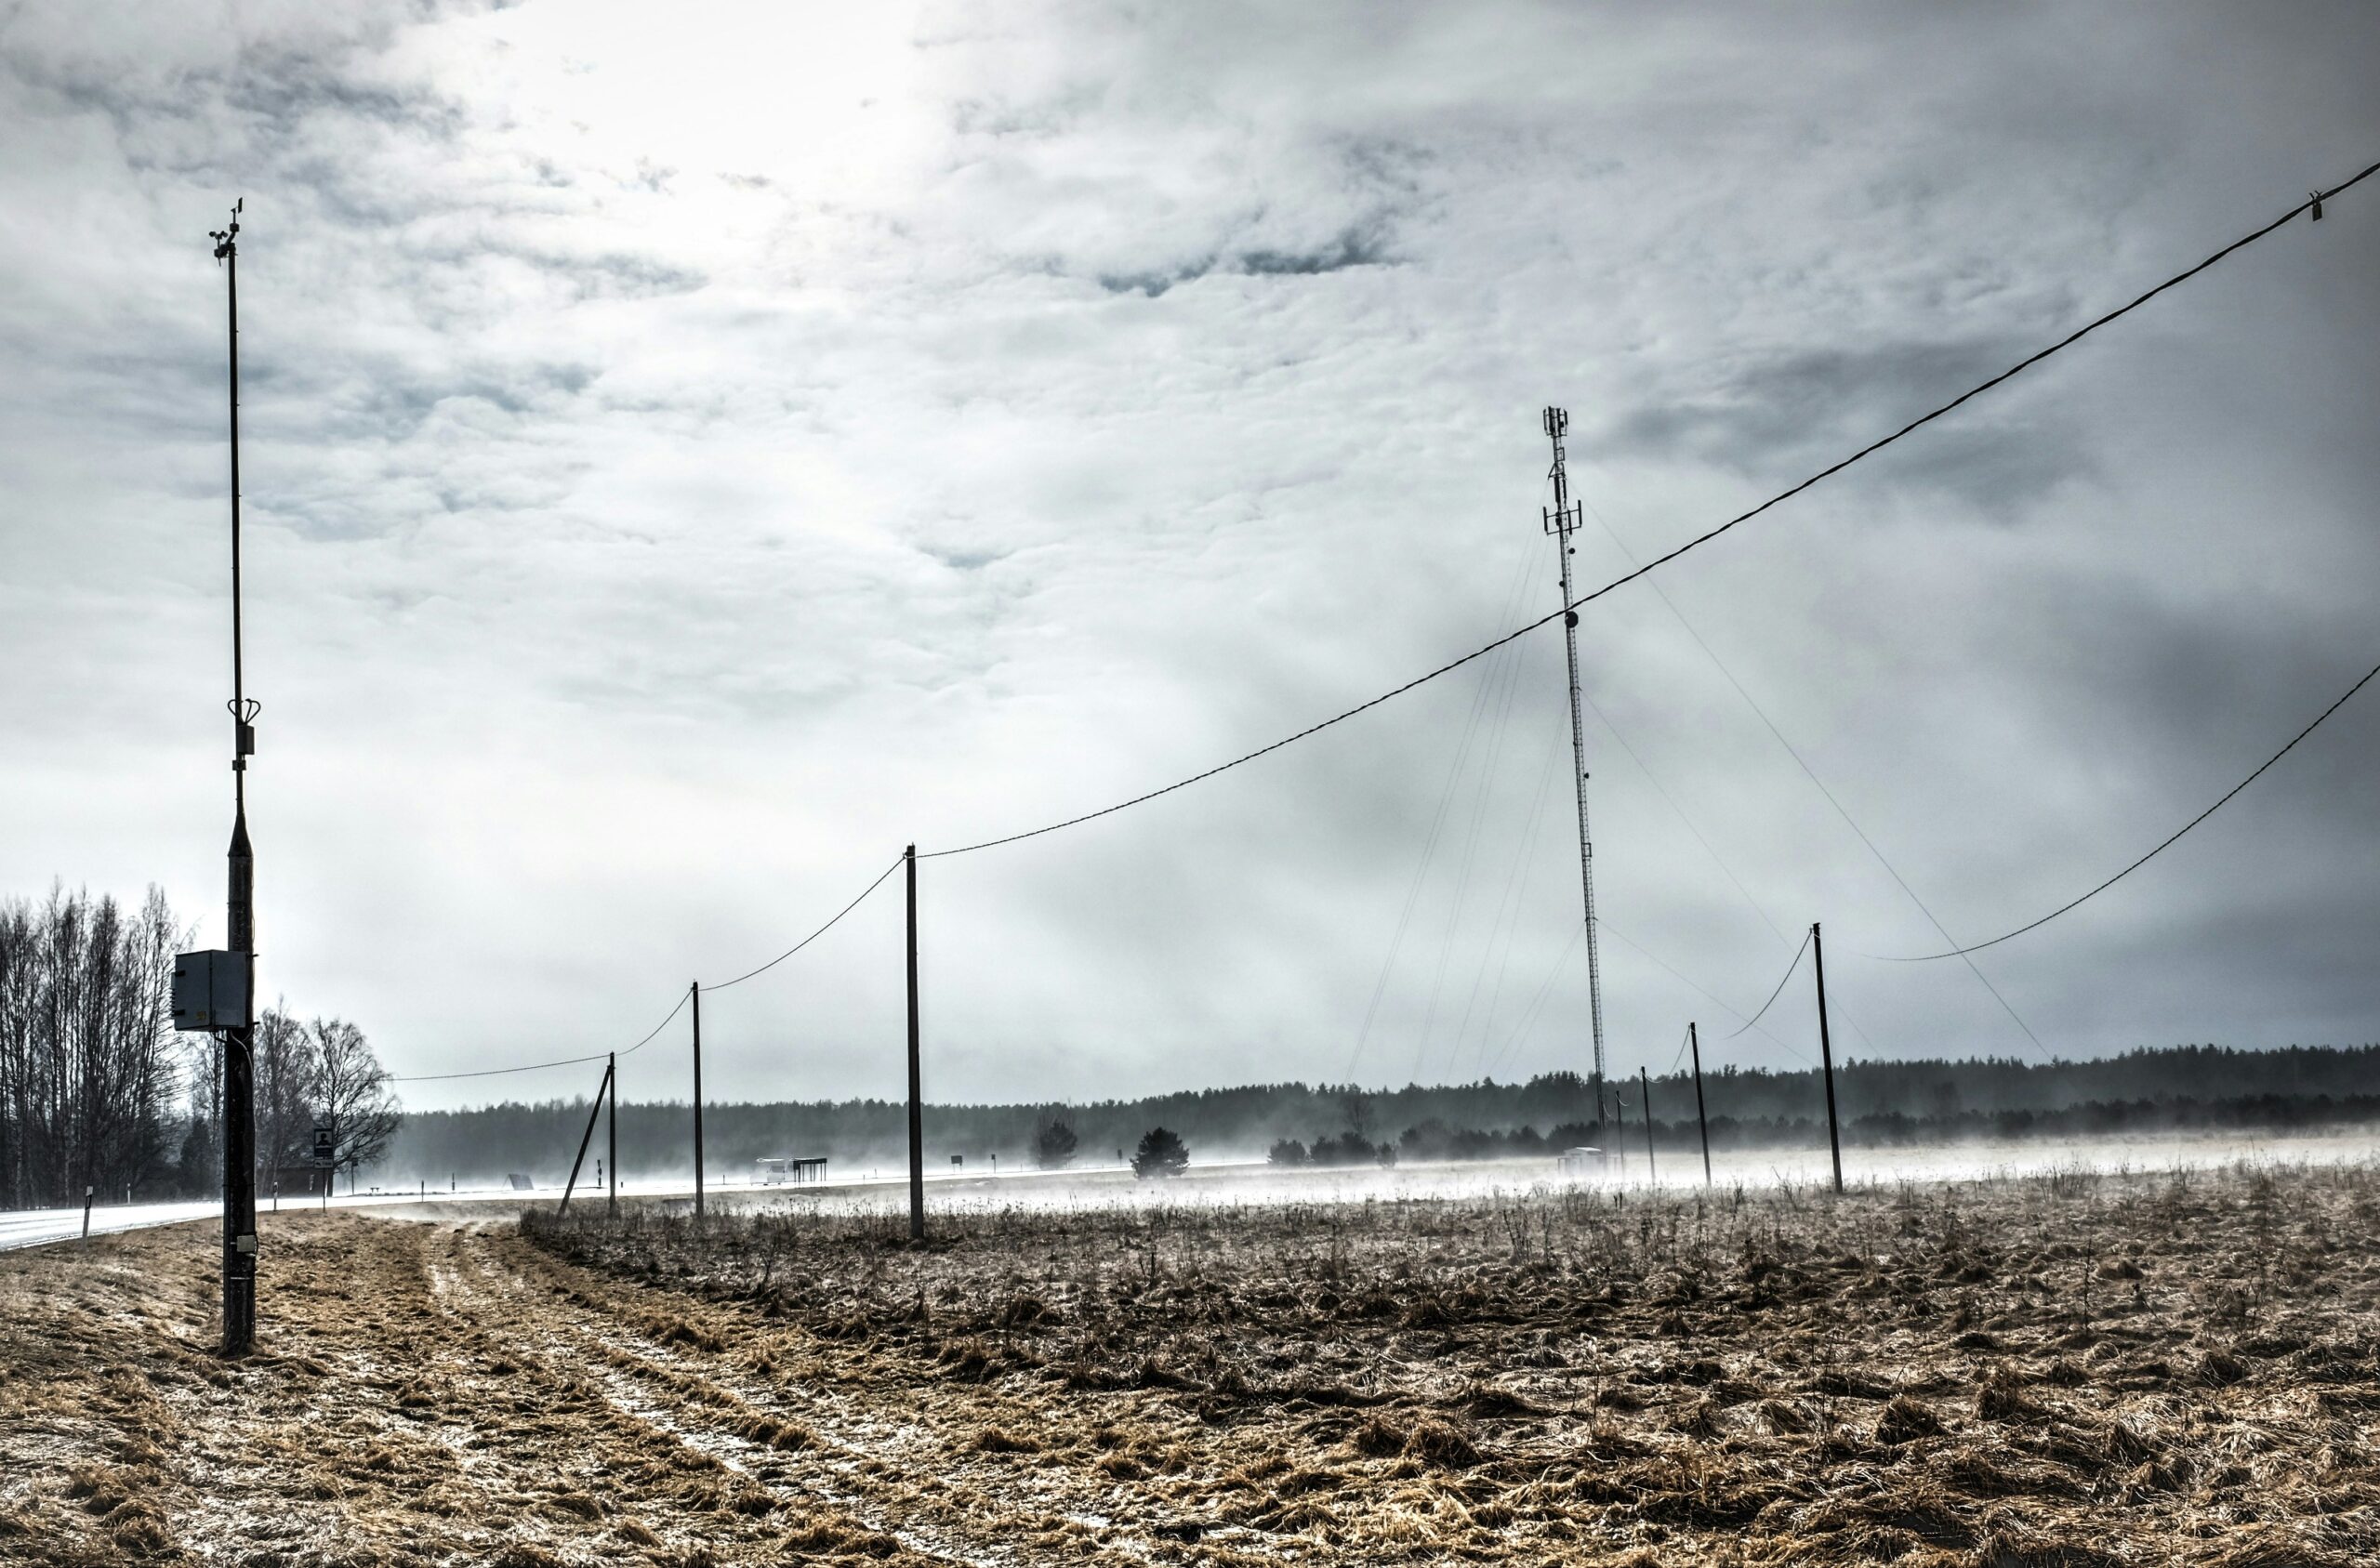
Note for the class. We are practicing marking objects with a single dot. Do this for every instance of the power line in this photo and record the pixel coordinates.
(2035, 925)
(812, 936)
(1537, 1003)
(1780, 987)
(1810, 773)
(1430, 843)
(1516, 880)
(1703, 991)
(541, 1067)
(2313, 200)
(1724, 869)
(682, 998)
(1500, 708)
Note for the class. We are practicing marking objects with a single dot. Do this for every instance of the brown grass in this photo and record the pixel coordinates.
(2080, 1368)
(2077, 1370)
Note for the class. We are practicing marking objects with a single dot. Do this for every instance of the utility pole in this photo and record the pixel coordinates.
(593, 1110)
(612, 1134)
(917, 1111)
(1826, 1054)
(694, 989)
(1701, 1118)
(1562, 519)
(239, 1059)
(1645, 1085)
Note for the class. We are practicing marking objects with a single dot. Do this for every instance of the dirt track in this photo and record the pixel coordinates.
(424, 1394)
(2057, 1373)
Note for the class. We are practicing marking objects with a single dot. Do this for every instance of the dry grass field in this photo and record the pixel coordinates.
(2070, 1369)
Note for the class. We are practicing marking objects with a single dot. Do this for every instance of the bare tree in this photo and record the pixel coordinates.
(351, 1088)
(88, 1074)
(285, 1094)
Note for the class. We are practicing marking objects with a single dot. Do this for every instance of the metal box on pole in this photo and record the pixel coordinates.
(210, 990)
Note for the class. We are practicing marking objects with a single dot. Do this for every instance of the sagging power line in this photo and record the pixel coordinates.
(683, 998)
(1567, 612)
(2314, 200)
(2161, 849)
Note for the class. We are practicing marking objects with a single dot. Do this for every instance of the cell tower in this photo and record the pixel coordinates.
(1562, 519)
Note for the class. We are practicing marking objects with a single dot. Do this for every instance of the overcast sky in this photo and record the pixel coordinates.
(691, 453)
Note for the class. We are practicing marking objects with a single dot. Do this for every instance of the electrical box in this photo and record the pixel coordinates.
(210, 990)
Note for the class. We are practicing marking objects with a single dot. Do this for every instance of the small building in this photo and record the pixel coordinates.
(1584, 1160)
(796, 1171)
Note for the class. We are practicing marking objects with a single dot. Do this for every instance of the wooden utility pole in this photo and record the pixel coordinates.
(1619, 1128)
(1826, 1055)
(239, 1058)
(1701, 1118)
(695, 990)
(1645, 1087)
(593, 1111)
(917, 1110)
(612, 1134)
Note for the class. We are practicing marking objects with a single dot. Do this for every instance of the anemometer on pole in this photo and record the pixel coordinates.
(215, 992)
(1562, 519)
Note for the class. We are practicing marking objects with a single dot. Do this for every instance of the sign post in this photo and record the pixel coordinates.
(326, 1160)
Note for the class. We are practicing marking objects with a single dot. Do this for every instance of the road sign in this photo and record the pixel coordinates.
(325, 1152)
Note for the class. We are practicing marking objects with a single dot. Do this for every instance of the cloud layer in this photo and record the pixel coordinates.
(685, 465)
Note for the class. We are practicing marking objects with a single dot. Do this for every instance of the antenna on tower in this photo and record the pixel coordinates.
(1562, 519)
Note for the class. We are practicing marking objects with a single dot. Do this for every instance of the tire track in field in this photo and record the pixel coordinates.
(515, 1325)
(889, 1469)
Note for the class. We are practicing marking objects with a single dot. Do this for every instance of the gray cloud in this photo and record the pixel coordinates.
(1049, 404)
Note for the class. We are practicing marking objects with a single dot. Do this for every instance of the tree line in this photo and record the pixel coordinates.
(90, 1072)
(97, 1090)
(1881, 1101)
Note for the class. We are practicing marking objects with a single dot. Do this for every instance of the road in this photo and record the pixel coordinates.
(38, 1227)
(35, 1227)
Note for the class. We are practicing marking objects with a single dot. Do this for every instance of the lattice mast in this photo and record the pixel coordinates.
(1562, 519)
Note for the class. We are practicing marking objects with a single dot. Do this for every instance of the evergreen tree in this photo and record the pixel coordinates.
(1161, 1153)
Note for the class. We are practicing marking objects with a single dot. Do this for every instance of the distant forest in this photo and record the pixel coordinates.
(1882, 1103)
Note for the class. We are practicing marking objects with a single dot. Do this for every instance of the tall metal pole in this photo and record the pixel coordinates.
(917, 1111)
(612, 1134)
(1702, 1118)
(1826, 1054)
(239, 1058)
(1562, 519)
(695, 990)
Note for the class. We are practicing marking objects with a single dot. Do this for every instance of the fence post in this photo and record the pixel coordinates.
(1701, 1119)
(1826, 1055)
